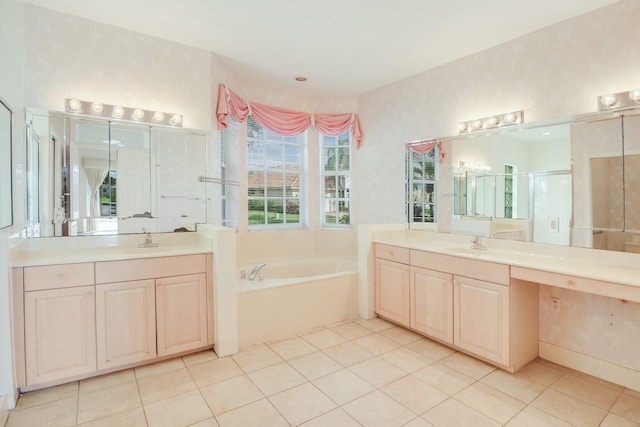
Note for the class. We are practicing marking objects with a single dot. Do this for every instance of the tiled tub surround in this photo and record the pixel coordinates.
(600, 337)
(355, 373)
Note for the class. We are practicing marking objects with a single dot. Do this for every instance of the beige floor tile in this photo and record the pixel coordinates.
(596, 380)
(211, 422)
(490, 402)
(516, 386)
(569, 409)
(542, 372)
(57, 413)
(613, 420)
(315, 365)
(443, 378)
(183, 410)
(159, 367)
(277, 378)
(632, 393)
(335, 418)
(260, 413)
(107, 380)
(343, 386)
(231, 394)
(376, 324)
(418, 422)
(164, 386)
(348, 354)
(414, 394)
(377, 409)
(256, 358)
(406, 359)
(532, 417)
(452, 413)
(202, 356)
(323, 338)
(628, 406)
(400, 335)
(377, 372)
(46, 395)
(301, 403)
(431, 349)
(587, 391)
(214, 371)
(132, 418)
(376, 344)
(351, 331)
(93, 405)
(292, 348)
(468, 365)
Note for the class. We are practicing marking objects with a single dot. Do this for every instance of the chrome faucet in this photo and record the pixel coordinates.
(254, 272)
(148, 241)
(476, 243)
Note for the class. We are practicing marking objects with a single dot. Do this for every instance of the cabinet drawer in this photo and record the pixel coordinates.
(149, 268)
(392, 253)
(58, 276)
(481, 270)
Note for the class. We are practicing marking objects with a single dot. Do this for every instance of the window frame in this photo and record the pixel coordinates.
(337, 173)
(410, 181)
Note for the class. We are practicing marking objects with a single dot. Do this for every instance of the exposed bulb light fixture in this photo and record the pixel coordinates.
(474, 166)
(491, 122)
(614, 101)
(76, 106)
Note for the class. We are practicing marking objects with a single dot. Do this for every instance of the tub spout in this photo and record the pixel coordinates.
(255, 270)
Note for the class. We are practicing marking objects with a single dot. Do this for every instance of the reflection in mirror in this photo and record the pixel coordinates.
(6, 197)
(89, 176)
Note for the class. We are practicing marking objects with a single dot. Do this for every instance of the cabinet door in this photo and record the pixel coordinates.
(432, 303)
(392, 291)
(481, 322)
(125, 323)
(181, 313)
(60, 333)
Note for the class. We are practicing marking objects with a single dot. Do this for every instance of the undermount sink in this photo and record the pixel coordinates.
(468, 251)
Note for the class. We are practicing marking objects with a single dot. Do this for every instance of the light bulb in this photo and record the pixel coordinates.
(117, 111)
(175, 120)
(75, 105)
(634, 95)
(510, 118)
(493, 121)
(463, 127)
(609, 101)
(96, 108)
(158, 116)
(476, 125)
(137, 114)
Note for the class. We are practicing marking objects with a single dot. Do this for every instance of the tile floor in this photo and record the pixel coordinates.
(359, 373)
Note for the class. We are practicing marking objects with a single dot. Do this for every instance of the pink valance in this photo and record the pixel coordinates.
(283, 121)
(427, 146)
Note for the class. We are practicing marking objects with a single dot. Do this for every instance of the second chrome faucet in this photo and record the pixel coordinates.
(255, 270)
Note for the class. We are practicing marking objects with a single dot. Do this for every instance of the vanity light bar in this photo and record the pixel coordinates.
(98, 109)
(613, 101)
(492, 122)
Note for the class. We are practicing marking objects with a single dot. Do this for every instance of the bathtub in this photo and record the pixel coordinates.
(295, 296)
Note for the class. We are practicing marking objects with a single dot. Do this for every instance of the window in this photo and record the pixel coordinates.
(108, 195)
(508, 191)
(422, 186)
(275, 175)
(229, 174)
(336, 180)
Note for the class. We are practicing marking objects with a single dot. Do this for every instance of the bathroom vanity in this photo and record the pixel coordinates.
(486, 302)
(109, 309)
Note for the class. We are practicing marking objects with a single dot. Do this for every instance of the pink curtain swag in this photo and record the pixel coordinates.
(283, 121)
(427, 146)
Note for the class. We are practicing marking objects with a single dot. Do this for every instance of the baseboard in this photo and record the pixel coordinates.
(599, 368)
(4, 412)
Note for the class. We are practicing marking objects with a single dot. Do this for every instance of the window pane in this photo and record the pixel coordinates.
(293, 211)
(329, 141)
(343, 212)
(343, 158)
(418, 171)
(275, 209)
(256, 211)
(275, 185)
(343, 139)
(292, 155)
(329, 159)
(343, 185)
(330, 186)
(273, 155)
(255, 181)
(429, 170)
(292, 184)
(418, 193)
(255, 153)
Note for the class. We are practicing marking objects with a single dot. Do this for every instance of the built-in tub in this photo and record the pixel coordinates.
(294, 296)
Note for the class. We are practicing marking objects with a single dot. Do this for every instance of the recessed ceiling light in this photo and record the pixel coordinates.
(301, 79)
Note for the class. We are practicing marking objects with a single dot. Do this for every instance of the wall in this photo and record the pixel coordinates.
(12, 92)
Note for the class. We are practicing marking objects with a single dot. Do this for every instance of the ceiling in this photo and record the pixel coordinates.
(343, 47)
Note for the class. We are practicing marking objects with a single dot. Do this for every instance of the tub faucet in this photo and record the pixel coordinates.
(476, 243)
(254, 272)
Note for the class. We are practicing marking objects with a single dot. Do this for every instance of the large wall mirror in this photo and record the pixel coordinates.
(89, 176)
(572, 181)
(6, 196)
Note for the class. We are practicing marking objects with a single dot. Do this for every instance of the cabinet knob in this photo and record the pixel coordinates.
(571, 282)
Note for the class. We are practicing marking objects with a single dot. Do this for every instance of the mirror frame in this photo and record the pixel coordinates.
(6, 177)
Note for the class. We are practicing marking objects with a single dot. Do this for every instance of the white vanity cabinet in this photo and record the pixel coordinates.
(432, 303)
(59, 322)
(392, 287)
(85, 319)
